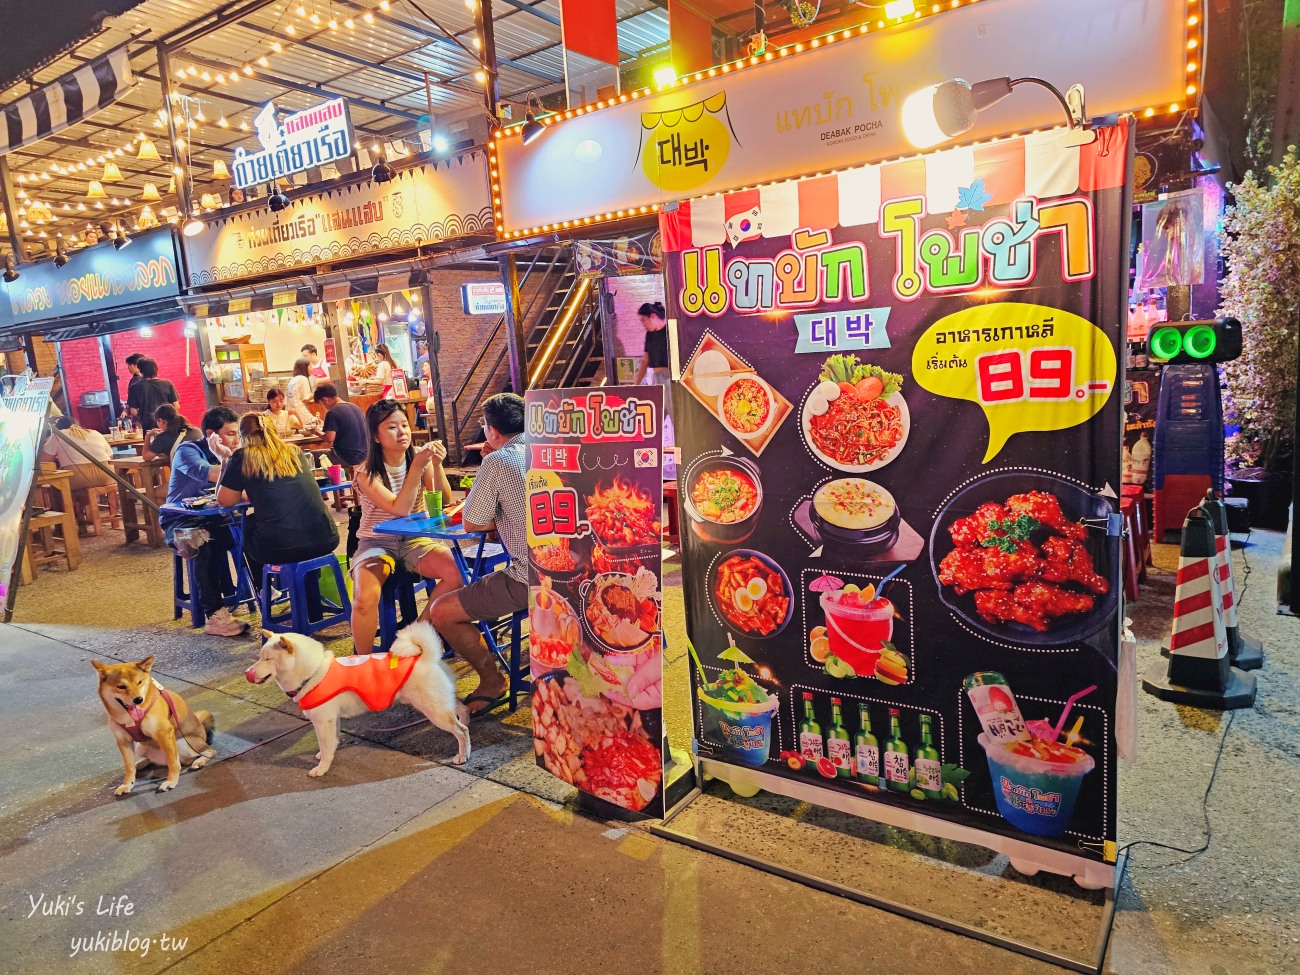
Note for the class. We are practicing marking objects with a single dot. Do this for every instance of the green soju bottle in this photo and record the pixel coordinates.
(866, 750)
(929, 770)
(897, 764)
(810, 733)
(838, 748)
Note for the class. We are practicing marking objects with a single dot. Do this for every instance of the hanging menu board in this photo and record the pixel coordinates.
(595, 498)
(23, 404)
(900, 436)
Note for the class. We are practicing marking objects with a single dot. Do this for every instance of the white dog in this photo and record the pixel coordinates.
(328, 688)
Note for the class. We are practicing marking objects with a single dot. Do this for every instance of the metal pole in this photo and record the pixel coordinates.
(491, 89)
(514, 327)
(428, 104)
(183, 178)
(11, 217)
(435, 370)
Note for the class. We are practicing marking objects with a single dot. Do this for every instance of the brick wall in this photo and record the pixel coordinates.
(629, 294)
(83, 369)
(178, 361)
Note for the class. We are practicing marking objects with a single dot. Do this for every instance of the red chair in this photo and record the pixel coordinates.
(1134, 570)
(1180, 494)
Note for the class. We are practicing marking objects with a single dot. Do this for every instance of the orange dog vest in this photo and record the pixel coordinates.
(374, 677)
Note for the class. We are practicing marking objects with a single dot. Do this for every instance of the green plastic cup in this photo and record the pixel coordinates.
(433, 503)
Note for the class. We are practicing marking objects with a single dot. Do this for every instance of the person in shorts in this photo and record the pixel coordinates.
(497, 503)
(390, 483)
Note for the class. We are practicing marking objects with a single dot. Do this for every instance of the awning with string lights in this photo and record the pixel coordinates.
(66, 101)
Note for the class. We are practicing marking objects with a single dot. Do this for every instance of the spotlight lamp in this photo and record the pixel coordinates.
(193, 226)
(11, 270)
(532, 128)
(276, 200)
(944, 111)
(382, 172)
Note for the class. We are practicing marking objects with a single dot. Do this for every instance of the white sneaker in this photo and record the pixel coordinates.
(221, 623)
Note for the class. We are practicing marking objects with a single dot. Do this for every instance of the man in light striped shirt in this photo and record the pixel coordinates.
(497, 502)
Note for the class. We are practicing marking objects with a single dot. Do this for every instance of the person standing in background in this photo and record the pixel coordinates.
(384, 368)
(134, 370)
(318, 370)
(299, 392)
(654, 367)
(149, 393)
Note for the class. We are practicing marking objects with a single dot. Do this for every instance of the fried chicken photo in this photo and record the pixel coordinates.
(975, 528)
(1034, 604)
(1024, 561)
(1045, 508)
(1068, 561)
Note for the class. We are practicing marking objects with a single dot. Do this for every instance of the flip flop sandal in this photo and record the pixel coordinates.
(493, 703)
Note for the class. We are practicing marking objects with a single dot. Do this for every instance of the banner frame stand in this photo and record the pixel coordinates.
(780, 786)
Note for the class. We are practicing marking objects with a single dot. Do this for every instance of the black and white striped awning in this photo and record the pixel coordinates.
(65, 101)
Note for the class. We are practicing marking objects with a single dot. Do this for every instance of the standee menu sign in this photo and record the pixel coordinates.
(900, 430)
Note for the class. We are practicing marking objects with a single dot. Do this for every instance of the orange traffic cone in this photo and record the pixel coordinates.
(1197, 670)
(1245, 652)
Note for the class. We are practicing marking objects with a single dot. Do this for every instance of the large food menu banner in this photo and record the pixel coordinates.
(23, 403)
(595, 499)
(900, 430)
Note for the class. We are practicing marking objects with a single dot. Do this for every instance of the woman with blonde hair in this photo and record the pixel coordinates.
(289, 521)
(84, 473)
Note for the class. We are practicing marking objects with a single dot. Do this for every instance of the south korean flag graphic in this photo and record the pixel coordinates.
(745, 226)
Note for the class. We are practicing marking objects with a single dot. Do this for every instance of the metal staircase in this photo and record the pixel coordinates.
(563, 344)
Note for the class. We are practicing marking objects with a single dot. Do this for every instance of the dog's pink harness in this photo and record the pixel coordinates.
(137, 712)
(376, 678)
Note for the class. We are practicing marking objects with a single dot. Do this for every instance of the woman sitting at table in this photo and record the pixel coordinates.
(285, 423)
(84, 473)
(299, 393)
(390, 484)
(289, 521)
(169, 429)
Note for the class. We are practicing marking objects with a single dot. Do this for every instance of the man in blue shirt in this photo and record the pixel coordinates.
(195, 468)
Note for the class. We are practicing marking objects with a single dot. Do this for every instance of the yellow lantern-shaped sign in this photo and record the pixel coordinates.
(685, 148)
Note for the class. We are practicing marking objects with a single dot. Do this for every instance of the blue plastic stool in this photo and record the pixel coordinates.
(397, 604)
(292, 577)
(185, 590)
(494, 634)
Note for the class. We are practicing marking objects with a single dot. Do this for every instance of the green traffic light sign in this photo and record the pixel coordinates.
(1172, 343)
(1166, 343)
(1200, 341)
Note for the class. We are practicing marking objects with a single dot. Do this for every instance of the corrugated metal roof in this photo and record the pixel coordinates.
(278, 53)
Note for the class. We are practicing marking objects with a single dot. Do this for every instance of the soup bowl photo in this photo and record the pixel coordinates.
(857, 513)
(747, 407)
(723, 498)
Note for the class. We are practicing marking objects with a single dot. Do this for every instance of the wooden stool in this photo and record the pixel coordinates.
(44, 547)
(95, 506)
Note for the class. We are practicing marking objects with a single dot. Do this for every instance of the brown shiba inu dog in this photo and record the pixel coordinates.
(158, 723)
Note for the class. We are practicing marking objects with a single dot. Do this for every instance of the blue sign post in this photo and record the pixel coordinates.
(95, 279)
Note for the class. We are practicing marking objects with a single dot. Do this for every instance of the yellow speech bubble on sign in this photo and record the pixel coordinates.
(1028, 367)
